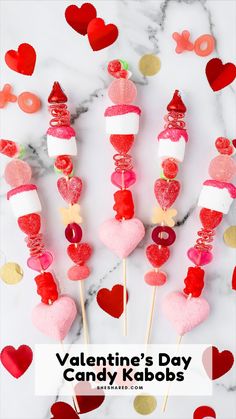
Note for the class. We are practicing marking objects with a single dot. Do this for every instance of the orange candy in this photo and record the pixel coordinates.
(28, 102)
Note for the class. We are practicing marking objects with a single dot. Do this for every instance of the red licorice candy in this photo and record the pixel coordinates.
(124, 205)
(194, 281)
(46, 287)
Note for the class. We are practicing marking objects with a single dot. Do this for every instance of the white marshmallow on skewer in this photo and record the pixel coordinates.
(61, 141)
(171, 144)
(24, 200)
(217, 196)
(122, 119)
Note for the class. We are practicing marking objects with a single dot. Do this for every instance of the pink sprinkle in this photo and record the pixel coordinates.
(122, 110)
(221, 185)
(61, 132)
(19, 189)
(173, 134)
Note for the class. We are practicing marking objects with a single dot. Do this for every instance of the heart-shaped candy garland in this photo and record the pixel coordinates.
(16, 361)
(100, 35)
(166, 192)
(111, 301)
(23, 60)
(70, 189)
(220, 75)
(79, 17)
(217, 363)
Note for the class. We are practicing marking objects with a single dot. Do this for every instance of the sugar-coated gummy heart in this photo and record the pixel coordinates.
(41, 262)
(55, 320)
(61, 410)
(78, 272)
(16, 361)
(79, 253)
(23, 60)
(199, 257)
(127, 179)
(185, 314)
(122, 143)
(79, 17)
(170, 168)
(73, 233)
(88, 398)
(70, 189)
(166, 192)
(210, 219)
(30, 224)
(155, 278)
(217, 363)
(17, 173)
(111, 301)
(122, 91)
(100, 35)
(157, 255)
(204, 412)
(220, 75)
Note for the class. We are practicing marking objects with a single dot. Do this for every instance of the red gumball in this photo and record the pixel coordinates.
(124, 205)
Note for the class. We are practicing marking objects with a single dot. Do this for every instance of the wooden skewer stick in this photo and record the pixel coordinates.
(74, 398)
(124, 295)
(84, 317)
(151, 315)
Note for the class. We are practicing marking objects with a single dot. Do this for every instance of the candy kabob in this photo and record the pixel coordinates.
(61, 145)
(122, 233)
(171, 149)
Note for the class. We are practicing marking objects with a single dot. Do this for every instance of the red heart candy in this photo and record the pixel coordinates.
(166, 192)
(61, 410)
(234, 279)
(122, 143)
(23, 60)
(157, 255)
(204, 412)
(111, 301)
(88, 398)
(210, 219)
(30, 224)
(79, 253)
(79, 17)
(16, 361)
(100, 35)
(217, 363)
(234, 143)
(220, 75)
(70, 189)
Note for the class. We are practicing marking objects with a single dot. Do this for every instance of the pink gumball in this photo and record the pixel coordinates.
(122, 91)
(222, 168)
(17, 173)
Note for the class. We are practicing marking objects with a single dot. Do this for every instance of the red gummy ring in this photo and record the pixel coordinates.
(28, 102)
(73, 233)
(210, 45)
(163, 241)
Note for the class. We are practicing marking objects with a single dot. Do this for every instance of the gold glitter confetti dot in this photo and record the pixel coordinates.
(149, 65)
(145, 404)
(230, 236)
(11, 273)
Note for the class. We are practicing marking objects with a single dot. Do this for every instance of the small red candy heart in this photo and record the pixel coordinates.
(23, 60)
(217, 363)
(234, 279)
(88, 398)
(79, 17)
(166, 192)
(70, 189)
(157, 255)
(210, 219)
(122, 143)
(30, 224)
(204, 412)
(79, 253)
(100, 35)
(61, 410)
(111, 301)
(16, 361)
(220, 75)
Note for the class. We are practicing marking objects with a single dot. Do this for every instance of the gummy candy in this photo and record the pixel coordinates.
(17, 173)
(73, 233)
(122, 91)
(159, 238)
(222, 168)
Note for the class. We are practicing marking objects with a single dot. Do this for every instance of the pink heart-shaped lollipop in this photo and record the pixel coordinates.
(40, 263)
(199, 257)
(155, 278)
(70, 189)
(126, 179)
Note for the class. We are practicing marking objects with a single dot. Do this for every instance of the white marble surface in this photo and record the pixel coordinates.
(63, 55)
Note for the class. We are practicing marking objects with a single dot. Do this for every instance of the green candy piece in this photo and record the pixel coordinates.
(22, 152)
(124, 64)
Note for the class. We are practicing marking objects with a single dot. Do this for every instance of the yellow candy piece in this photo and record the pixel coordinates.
(230, 236)
(145, 404)
(71, 214)
(11, 273)
(149, 64)
(165, 217)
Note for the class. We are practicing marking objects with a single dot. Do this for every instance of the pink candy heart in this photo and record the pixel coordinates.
(155, 278)
(129, 178)
(55, 320)
(199, 257)
(40, 263)
(70, 189)
(184, 313)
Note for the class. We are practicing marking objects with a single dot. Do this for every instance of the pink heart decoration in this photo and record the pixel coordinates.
(129, 178)
(185, 314)
(55, 320)
(155, 278)
(166, 192)
(70, 189)
(121, 236)
(40, 263)
(199, 257)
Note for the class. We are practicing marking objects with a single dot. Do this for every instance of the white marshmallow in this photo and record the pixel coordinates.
(60, 146)
(127, 123)
(215, 199)
(24, 203)
(172, 149)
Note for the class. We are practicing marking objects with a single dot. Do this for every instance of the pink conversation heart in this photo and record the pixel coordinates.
(55, 320)
(70, 189)
(199, 257)
(184, 313)
(155, 278)
(122, 236)
(40, 263)
(125, 179)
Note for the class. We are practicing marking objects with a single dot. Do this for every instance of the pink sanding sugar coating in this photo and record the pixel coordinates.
(61, 132)
(221, 185)
(222, 168)
(122, 91)
(17, 172)
(19, 189)
(173, 134)
(121, 110)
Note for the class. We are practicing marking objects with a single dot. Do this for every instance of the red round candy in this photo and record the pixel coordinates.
(163, 241)
(210, 219)
(73, 233)
(224, 146)
(30, 224)
(64, 164)
(170, 168)
(114, 66)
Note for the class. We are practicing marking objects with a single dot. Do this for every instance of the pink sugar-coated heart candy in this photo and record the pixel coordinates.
(199, 257)
(166, 192)
(121, 237)
(184, 313)
(55, 320)
(70, 189)
(222, 168)
(155, 278)
(78, 272)
(40, 263)
(128, 178)
(17, 173)
(122, 91)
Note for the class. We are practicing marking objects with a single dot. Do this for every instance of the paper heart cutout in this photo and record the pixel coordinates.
(154, 278)
(220, 75)
(100, 36)
(111, 301)
(88, 398)
(55, 320)
(121, 237)
(40, 263)
(61, 410)
(204, 412)
(70, 189)
(199, 257)
(166, 192)
(16, 361)
(157, 255)
(79, 253)
(184, 313)
(23, 60)
(217, 363)
(234, 279)
(79, 17)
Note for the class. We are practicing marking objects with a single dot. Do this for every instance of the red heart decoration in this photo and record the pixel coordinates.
(210, 219)
(70, 189)
(122, 143)
(79, 17)
(166, 192)
(204, 411)
(111, 301)
(88, 398)
(234, 143)
(100, 35)
(157, 255)
(234, 279)
(16, 361)
(79, 253)
(61, 410)
(23, 60)
(30, 224)
(220, 75)
(217, 363)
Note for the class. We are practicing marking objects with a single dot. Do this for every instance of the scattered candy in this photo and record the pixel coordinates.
(79, 253)
(166, 192)
(78, 272)
(170, 168)
(149, 65)
(23, 60)
(17, 173)
(204, 45)
(73, 233)
(230, 236)
(6, 95)
(29, 102)
(145, 404)
(71, 215)
(159, 238)
(70, 189)
(40, 263)
(30, 224)
(100, 36)
(222, 168)
(79, 17)
(112, 301)
(154, 278)
(157, 255)
(183, 42)
(11, 273)
(122, 91)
